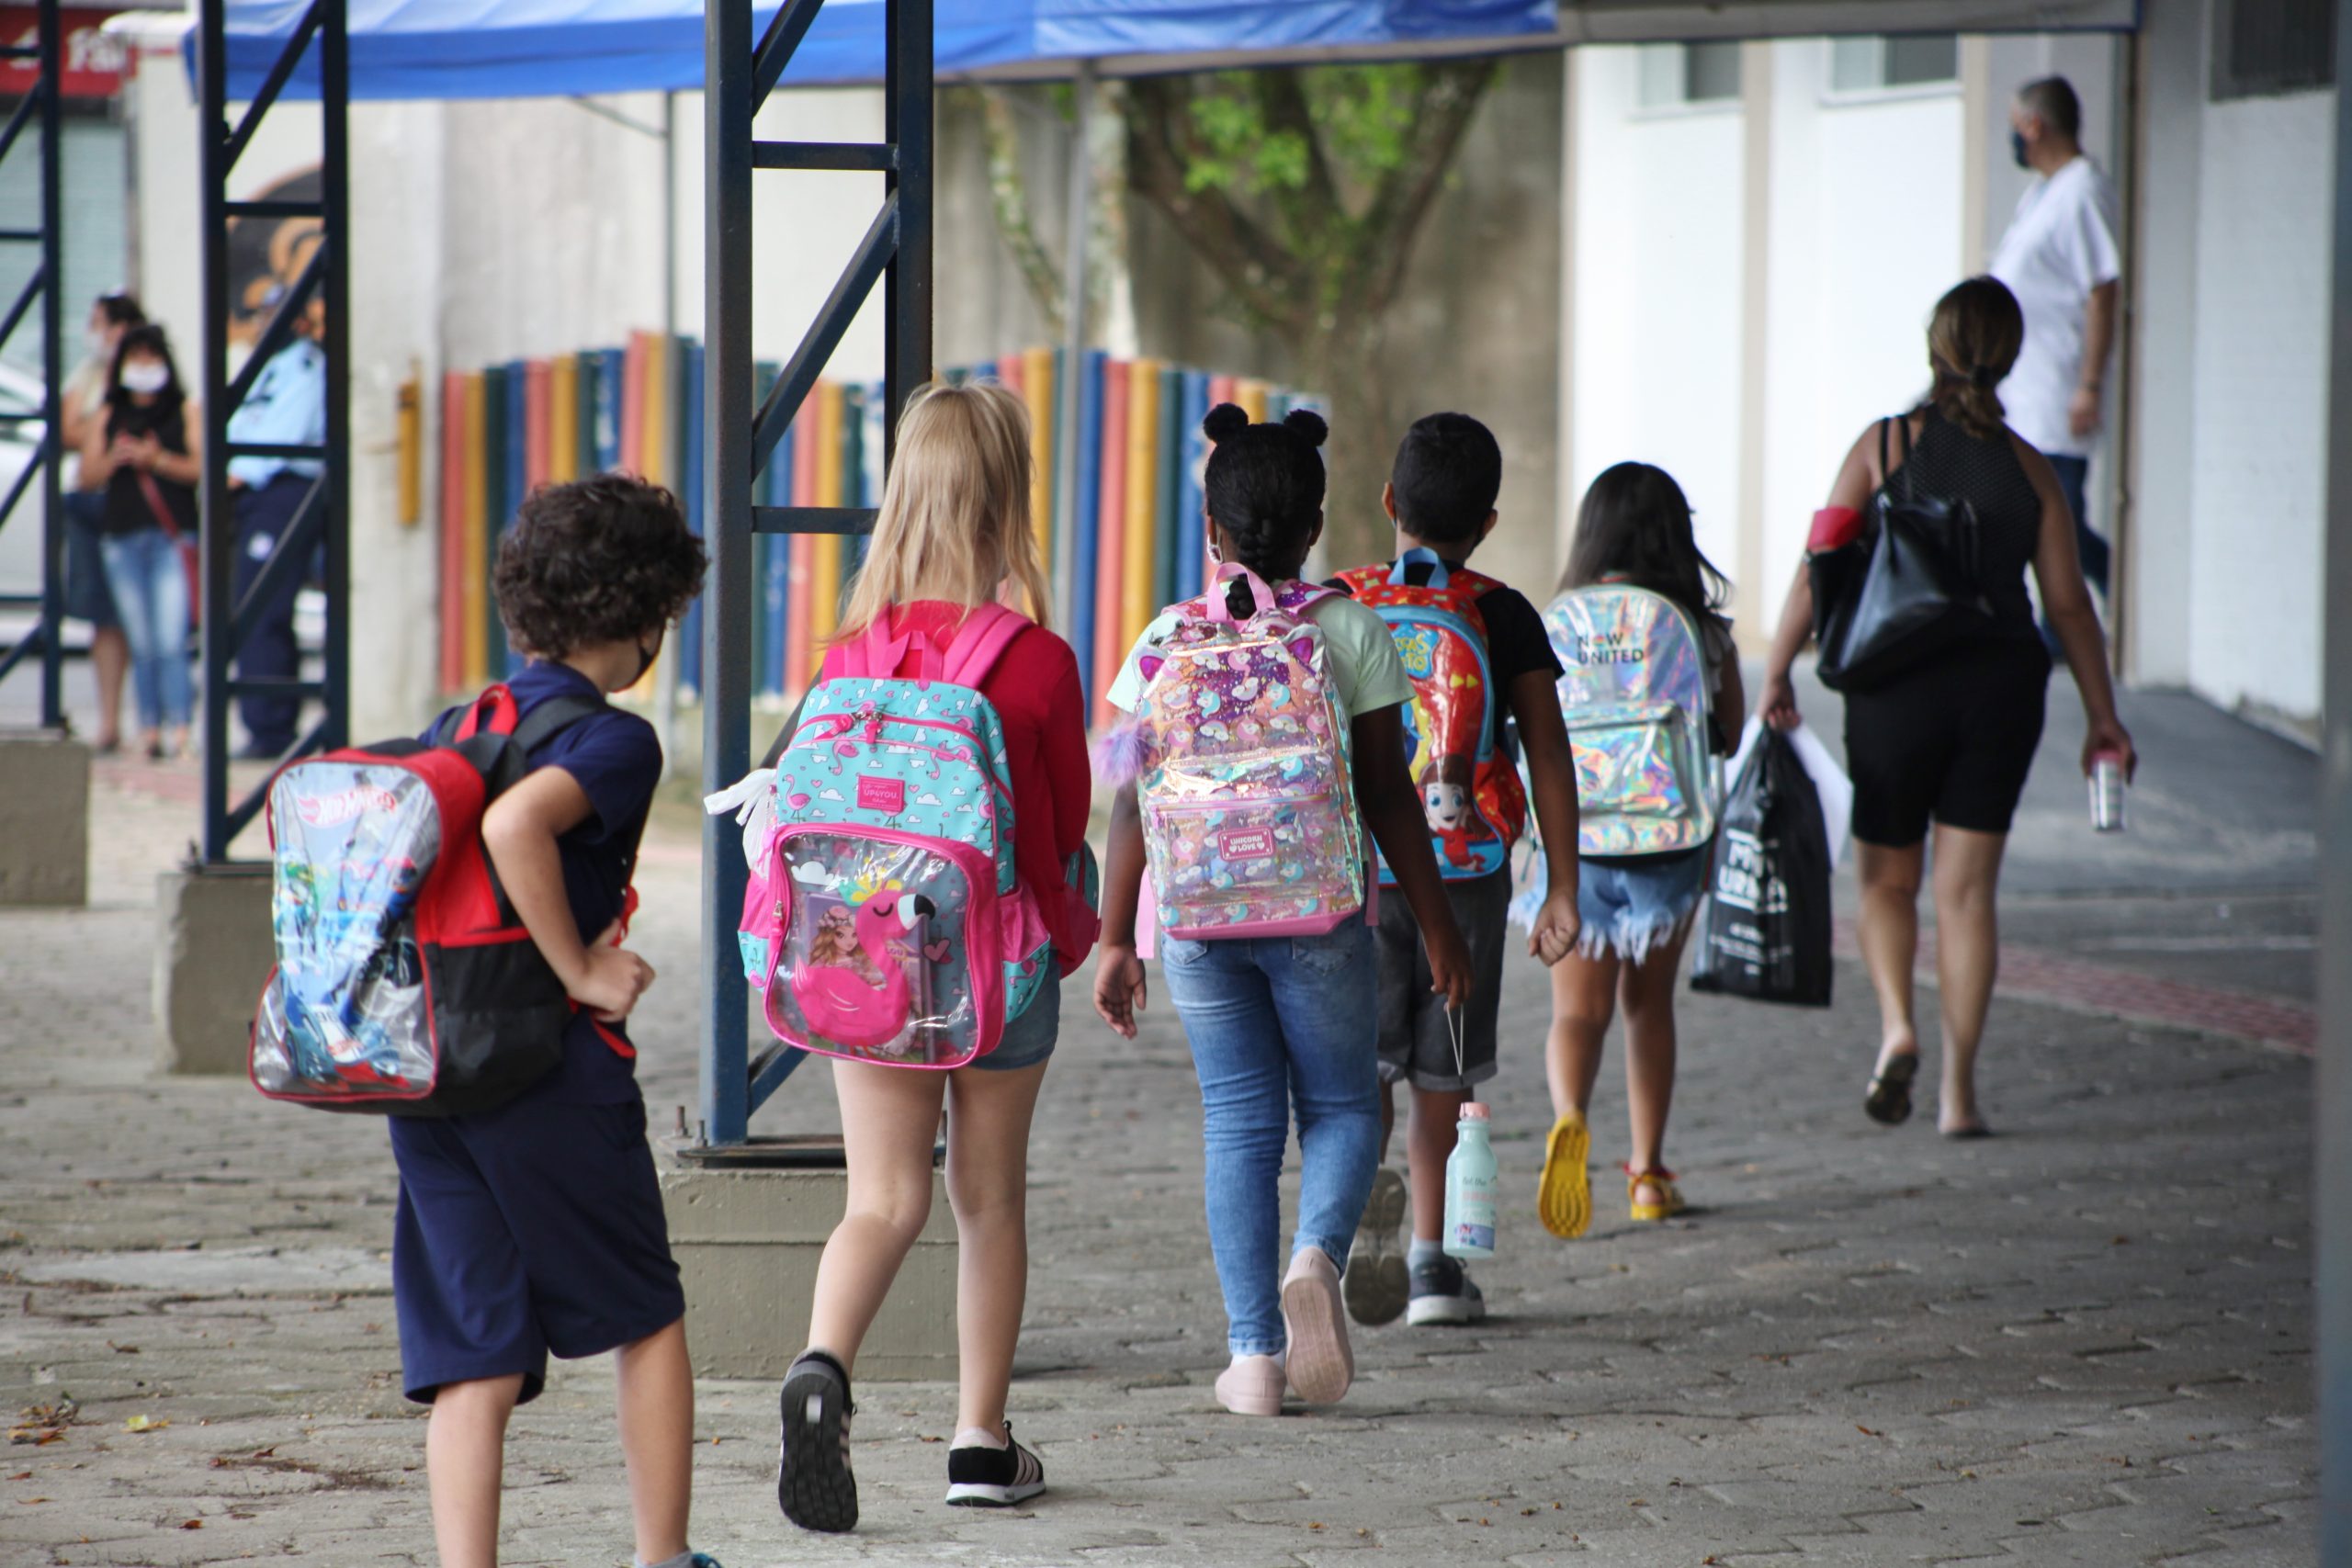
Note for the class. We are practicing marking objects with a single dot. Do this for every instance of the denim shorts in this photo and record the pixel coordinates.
(1630, 905)
(1030, 1038)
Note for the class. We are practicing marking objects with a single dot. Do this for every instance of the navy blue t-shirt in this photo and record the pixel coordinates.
(616, 759)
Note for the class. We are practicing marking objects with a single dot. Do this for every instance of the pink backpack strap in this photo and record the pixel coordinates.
(979, 642)
(875, 654)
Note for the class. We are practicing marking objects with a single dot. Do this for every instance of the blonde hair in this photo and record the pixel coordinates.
(954, 523)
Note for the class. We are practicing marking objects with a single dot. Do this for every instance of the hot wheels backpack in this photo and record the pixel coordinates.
(884, 921)
(405, 982)
(1249, 820)
(1636, 695)
(1470, 789)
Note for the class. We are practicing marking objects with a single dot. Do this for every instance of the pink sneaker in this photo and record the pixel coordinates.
(1251, 1386)
(1321, 1364)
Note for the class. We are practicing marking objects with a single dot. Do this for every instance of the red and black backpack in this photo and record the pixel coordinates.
(405, 984)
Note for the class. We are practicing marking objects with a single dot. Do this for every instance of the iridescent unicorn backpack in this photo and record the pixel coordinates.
(1635, 693)
(1249, 807)
(1469, 786)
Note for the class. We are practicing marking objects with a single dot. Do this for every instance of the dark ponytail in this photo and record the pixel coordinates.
(1973, 342)
(1264, 486)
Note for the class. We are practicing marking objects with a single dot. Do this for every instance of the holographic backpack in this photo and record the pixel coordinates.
(1634, 692)
(1248, 806)
(884, 921)
(405, 982)
(1470, 788)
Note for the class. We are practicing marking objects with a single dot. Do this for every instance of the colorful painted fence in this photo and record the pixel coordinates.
(1138, 542)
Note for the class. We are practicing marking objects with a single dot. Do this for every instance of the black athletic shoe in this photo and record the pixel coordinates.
(1444, 1292)
(813, 1480)
(983, 1477)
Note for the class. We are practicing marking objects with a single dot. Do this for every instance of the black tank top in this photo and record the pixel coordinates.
(127, 508)
(1948, 461)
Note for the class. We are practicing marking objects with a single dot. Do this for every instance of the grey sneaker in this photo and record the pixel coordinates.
(813, 1480)
(1377, 1282)
(1444, 1292)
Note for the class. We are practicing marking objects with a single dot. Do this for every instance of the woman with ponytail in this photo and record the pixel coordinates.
(1284, 1024)
(1950, 740)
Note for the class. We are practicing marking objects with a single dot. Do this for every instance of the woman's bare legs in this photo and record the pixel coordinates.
(1645, 990)
(1584, 995)
(1890, 937)
(1967, 877)
(889, 1116)
(987, 1182)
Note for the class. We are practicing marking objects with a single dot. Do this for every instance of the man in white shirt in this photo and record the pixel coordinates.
(2061, 259)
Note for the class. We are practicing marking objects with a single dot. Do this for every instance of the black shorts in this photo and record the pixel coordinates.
(1415, 1042)
(1951, 741)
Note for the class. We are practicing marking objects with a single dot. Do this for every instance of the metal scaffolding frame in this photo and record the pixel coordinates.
(896, 252)
(46, 286)
(323, 519)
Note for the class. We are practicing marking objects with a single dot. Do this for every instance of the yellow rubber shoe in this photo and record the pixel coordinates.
(1660, 1180)
(1564, 1197)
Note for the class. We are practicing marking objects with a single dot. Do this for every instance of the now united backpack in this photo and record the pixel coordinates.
(1470, 790)
(404, 983)
(1634, 692)
(1248, 810)
(885, 921)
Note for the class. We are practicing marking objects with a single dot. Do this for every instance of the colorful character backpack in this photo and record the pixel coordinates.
(1470, 789)
(885, 921)
(405, 982)
(1635, 693)
(1248, 806)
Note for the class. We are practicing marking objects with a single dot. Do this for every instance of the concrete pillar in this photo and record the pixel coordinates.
(747, 1242)
(44, 820)
(212, 953)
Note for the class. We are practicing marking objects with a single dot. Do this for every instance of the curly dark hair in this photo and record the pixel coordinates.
(1263, 486)
(602, 559)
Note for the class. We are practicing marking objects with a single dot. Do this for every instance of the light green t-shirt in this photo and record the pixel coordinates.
(1357, 649)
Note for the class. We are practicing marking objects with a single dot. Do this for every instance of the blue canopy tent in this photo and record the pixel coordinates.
(507, 49)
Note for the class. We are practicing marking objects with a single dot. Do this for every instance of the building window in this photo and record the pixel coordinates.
(1674, 74)
(1874, 64)
(2272, 46)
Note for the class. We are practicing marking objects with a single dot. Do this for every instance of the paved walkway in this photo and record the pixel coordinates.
(2085, 1341)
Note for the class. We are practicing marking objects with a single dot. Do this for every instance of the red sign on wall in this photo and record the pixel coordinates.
(93, 61)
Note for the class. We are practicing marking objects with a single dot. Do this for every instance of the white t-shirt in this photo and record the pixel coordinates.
(2060, 246)
(1362, 658)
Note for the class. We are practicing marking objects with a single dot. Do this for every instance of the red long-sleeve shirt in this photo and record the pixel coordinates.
(1034, 690)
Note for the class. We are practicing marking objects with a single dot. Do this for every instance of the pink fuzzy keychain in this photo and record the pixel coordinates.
(1122, 754)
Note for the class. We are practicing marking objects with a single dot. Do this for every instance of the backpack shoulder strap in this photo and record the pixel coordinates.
(551, 718)
(979, 642)
(1356, 579)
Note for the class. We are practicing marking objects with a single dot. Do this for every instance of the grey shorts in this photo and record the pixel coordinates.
(1415, 1042)
(1030, 1038)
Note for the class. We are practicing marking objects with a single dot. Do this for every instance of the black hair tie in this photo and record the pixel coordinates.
(1985, 376)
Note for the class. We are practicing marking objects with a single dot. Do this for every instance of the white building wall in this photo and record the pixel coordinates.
(1658, 265)
(2259, 472)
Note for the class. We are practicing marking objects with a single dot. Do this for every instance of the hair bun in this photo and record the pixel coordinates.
(1309, 423)
(1224, 422)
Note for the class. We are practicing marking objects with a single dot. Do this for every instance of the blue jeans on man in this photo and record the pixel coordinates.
(2089, 544)
(264, 514)
(1277, 1024)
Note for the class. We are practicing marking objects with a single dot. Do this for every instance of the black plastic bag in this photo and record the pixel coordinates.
(1763, 929)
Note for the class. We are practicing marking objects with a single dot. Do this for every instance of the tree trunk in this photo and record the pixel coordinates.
(1341, 367)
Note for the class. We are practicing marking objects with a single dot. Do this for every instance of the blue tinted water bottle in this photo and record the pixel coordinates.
(1470, 1188)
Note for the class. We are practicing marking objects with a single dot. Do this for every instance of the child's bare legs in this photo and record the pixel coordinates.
(1890, 937)
(1584, 995)
(655, 1384)
(1429, 1135)
(465, 1448)
(1968, 874)
(1646, 992)
(889, 1117)
(987, 1182)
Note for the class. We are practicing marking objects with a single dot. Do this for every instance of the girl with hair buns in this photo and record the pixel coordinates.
(1284, 1025)
(1950, 740)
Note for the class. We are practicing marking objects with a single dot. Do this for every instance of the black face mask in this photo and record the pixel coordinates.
(645, 658)
(2016, 149)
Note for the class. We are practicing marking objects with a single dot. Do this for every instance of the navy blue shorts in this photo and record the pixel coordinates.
(533, 1229)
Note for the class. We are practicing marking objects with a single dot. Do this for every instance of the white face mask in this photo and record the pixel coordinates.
(97, 338)
(145, 377)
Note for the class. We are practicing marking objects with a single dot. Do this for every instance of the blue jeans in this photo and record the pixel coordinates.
(150, 589)
(1277, 1022)
(2071, 472)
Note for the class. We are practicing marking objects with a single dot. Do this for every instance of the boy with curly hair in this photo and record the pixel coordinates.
(536, 1227)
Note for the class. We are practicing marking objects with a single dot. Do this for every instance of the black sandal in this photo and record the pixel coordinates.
(1889, 1099)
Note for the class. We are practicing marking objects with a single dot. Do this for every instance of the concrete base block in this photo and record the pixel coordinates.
(212, 953)
(747, 1242)
(44, 818)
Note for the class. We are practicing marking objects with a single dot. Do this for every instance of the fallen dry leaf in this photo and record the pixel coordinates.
(144, 1424)
(191, 1524)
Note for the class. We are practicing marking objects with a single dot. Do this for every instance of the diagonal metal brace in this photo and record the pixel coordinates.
(289, 556)
(786, 30)
(281, 326)
(807, 362)
(280, 70)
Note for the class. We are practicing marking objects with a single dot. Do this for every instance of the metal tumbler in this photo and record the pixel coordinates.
(2107, 785)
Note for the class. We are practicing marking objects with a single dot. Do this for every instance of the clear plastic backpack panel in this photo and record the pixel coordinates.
(348, 1015)
(875, 962)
